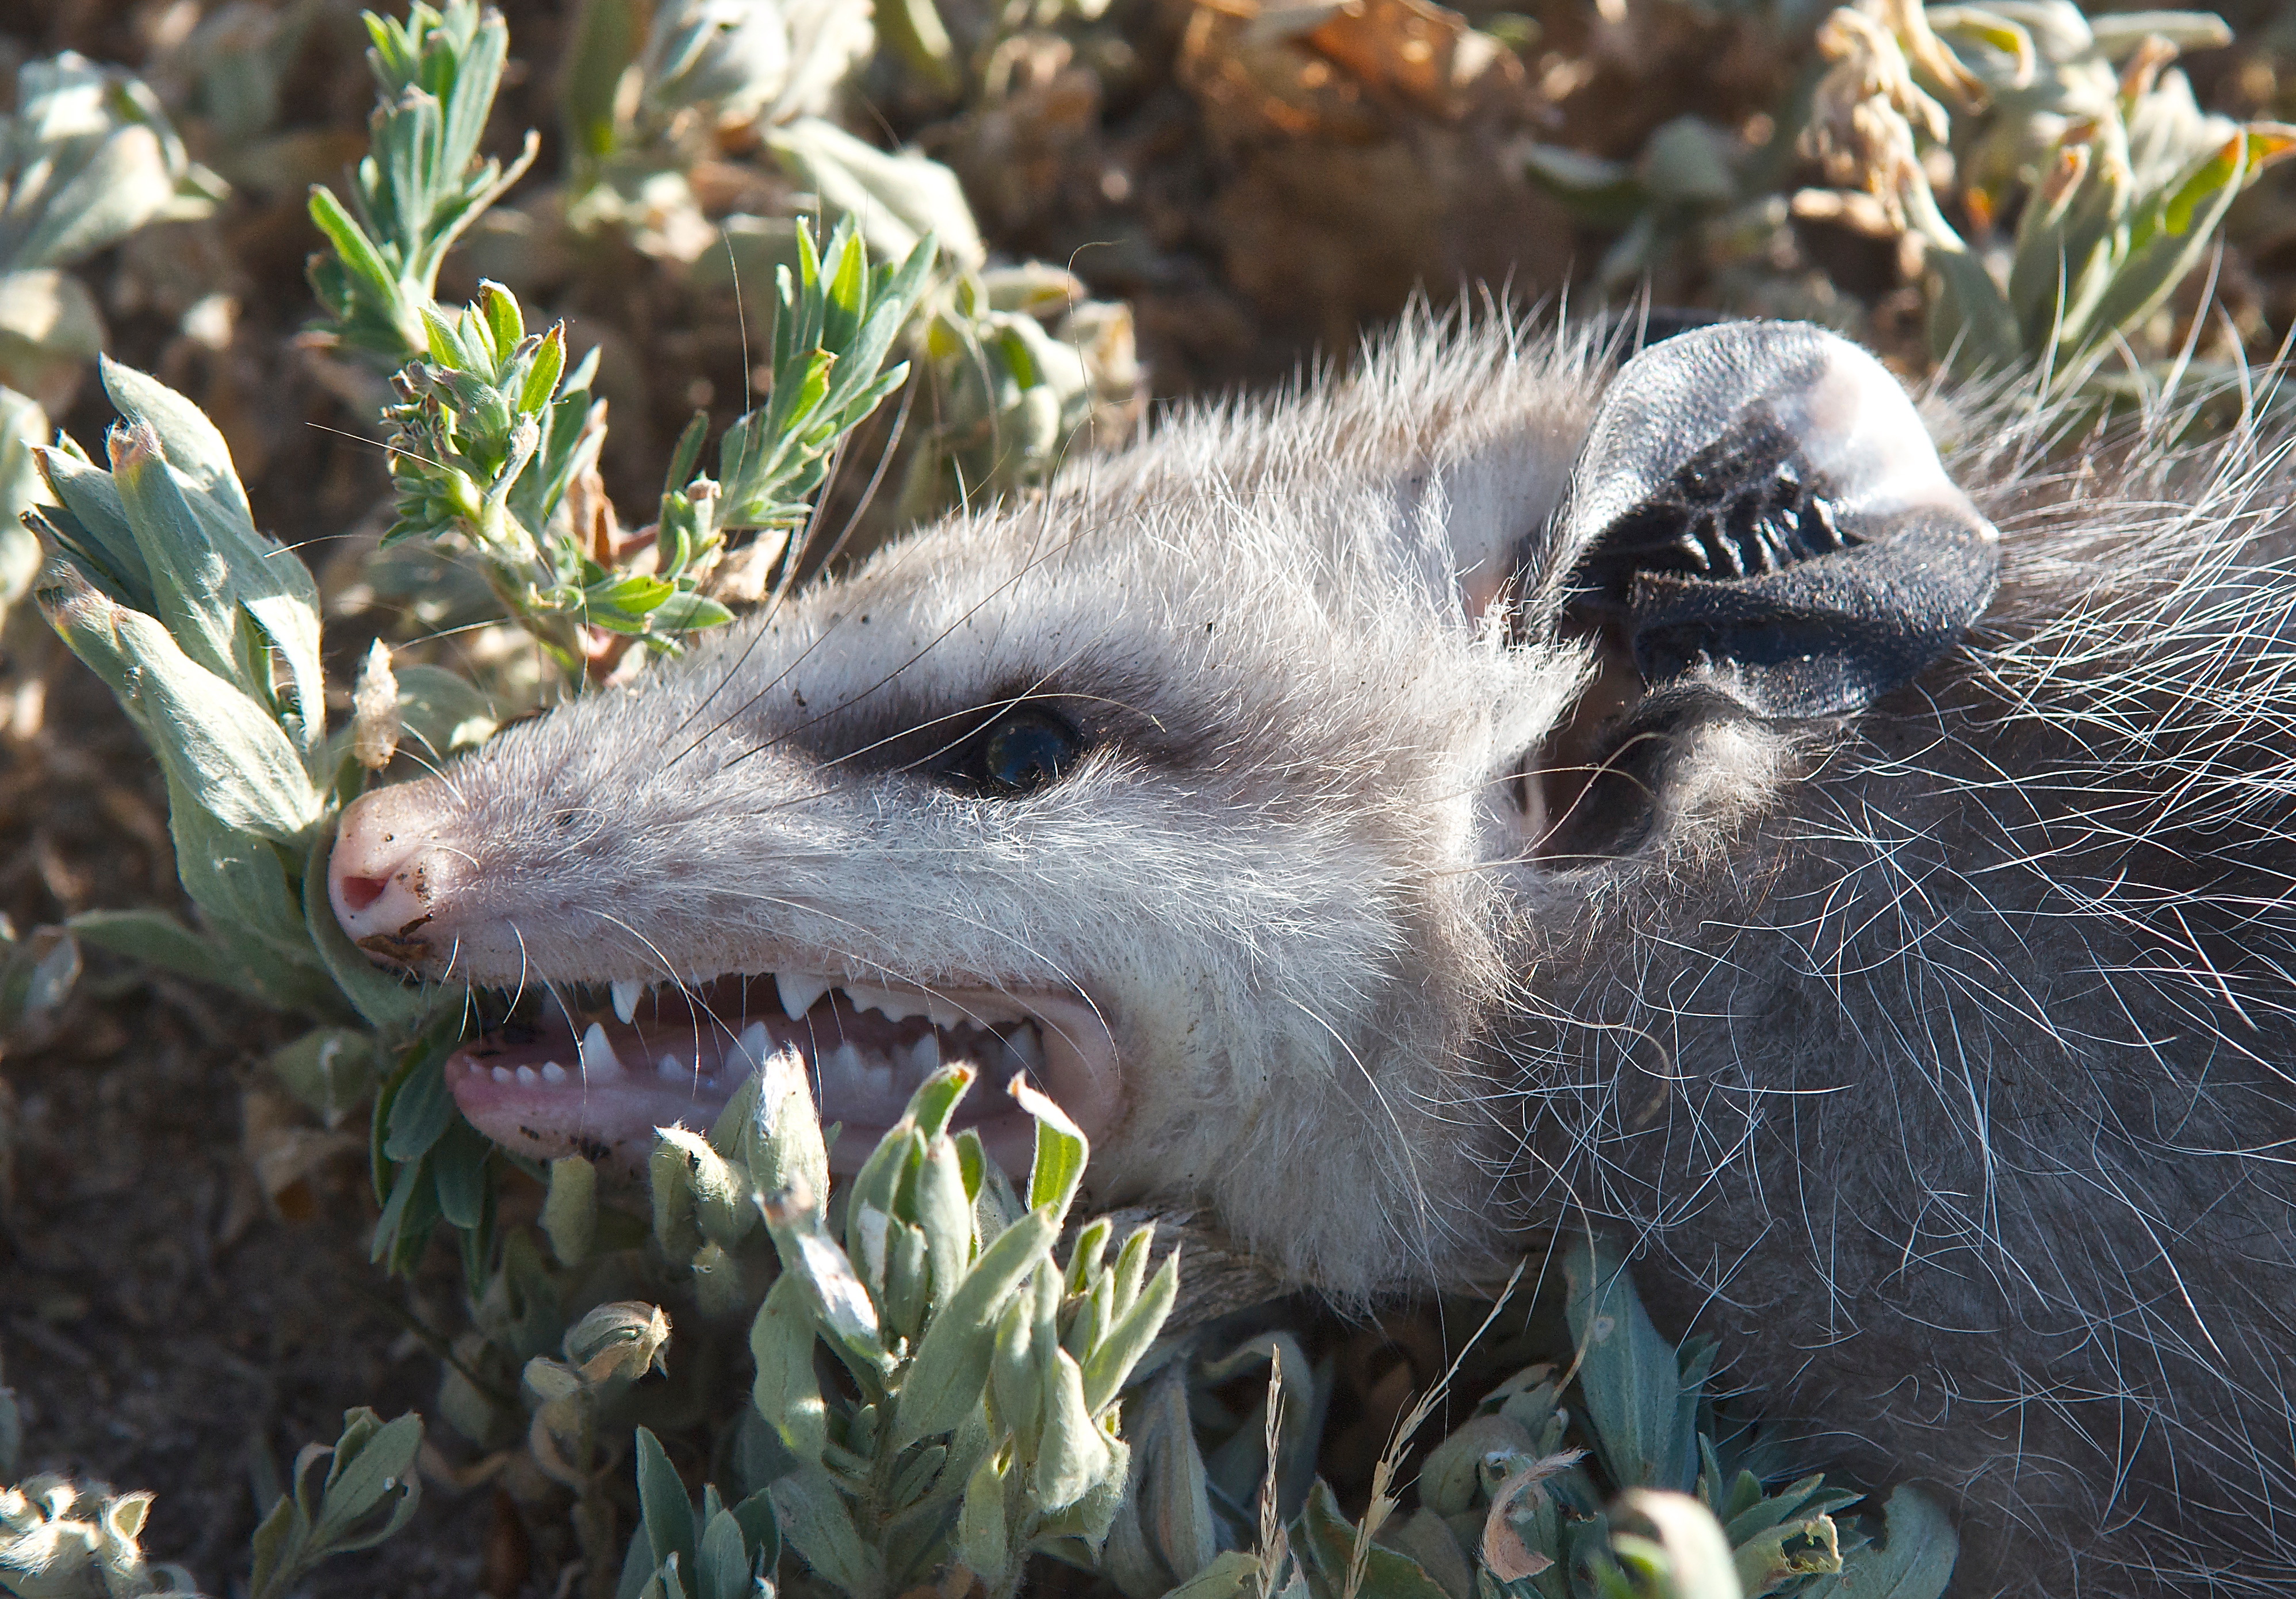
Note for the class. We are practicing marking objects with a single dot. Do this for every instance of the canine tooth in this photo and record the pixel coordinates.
(501, 1073)
(527, 1076)
(924, 1055)
(755, 1043)
(598, 1056)
(670, 1069)
(625, 999)
(551, 1072)
(798, 991)
(1026, 1048)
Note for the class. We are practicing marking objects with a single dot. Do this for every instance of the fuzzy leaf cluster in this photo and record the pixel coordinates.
(1025, 369)
(837, 316)
(208, 632)
(2123, 179)
(88, 158)
(1610, 1478)
(706, 1551)
(421, 182)
(977, 1422)
(345, 1497)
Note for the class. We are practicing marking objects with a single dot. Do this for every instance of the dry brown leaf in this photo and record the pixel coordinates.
(1509, 1558)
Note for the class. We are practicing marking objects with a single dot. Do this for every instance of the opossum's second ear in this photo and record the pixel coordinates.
(1760, 510)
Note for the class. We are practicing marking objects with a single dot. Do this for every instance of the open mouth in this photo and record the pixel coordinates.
(596, 1081)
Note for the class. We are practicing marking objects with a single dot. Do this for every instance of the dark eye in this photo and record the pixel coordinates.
(1025, 749)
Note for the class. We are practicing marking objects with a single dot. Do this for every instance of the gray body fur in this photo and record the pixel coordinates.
(1936, 1058)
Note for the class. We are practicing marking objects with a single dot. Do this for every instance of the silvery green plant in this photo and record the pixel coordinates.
(88, 158)
(1606, 1475)
(341, 1498)
(208, 632)
(1024, 369)
(1686, 172)
(706, 1551)
(975, 1420)
(706, 67)
(491, 432)
(2124, 179)
(422, 181)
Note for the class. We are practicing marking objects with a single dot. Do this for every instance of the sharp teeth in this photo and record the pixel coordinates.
(897, 1007)
(527, 1076)
(501, 1073)
(924, 1056)
(1026, 1048)
(670, 1069)
(625, 999)
(879, 1075)
(553, 1072)
(598, 1056)
(757, 1044)
(941, 1015)
(798, 991)
(844, 1063)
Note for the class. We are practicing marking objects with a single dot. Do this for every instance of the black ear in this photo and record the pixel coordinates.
(1759, 506)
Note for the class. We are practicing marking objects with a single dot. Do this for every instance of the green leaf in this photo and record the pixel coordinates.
(194, 446)
(688, 613)
(375, 1475)
(1231, 1576)
(1061, 1151)
(944, 1219)
(157, 939)
(1913, 1560)
(1110, 1363)
(570, 1210)
(1072, 1452)
(980, 1536)
(787, 1392)
(461, 1169)
(662, 1503)
(90, 525)
(332, 1070)
(420, 1113)
(944, 1380)
(505, 324)
(815, 1520)
(549, 366)
(1630, 1376)
(1330, 1540)
(721, 1567)
(352, 247)
(248, 901)
(219, 744)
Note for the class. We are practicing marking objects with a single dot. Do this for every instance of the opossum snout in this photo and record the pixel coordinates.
(388, 870)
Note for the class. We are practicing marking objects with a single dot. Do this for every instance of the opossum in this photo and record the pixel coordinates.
(1530, 782)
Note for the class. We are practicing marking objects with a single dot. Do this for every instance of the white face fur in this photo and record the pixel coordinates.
(1194, 788)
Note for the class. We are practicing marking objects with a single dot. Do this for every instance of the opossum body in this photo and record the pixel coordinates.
(1509, 787)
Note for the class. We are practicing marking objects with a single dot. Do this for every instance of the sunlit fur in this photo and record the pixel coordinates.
(1936, 1058)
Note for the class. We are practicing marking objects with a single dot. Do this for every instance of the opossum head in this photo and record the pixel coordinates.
(1196, 788)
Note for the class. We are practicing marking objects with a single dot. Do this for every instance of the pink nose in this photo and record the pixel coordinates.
(387, 873)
